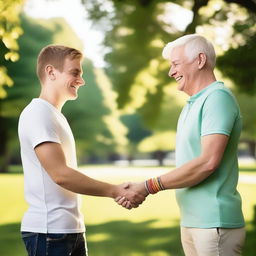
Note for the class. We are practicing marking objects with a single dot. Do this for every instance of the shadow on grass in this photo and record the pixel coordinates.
(120, 238)
(123, 238)
(250, 243)
(10, 240)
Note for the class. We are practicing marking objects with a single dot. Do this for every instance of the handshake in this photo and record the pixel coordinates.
(131, 195)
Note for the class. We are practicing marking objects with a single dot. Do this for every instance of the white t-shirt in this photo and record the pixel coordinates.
(52, 209)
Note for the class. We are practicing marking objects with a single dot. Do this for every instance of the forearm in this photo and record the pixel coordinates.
(188, 175)
(52, 158)
(77, 182)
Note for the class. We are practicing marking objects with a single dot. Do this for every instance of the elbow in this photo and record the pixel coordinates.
(60, 177)
(210, 166)
(59, 180)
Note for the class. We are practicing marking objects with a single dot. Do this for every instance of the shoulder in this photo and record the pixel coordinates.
(36, 115)
(221, 95)
(35, 110)
(220, 91)
(220, 101)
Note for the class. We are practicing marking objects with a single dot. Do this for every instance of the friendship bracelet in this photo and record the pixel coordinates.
(160, 183)
(151, 187)
(146, 187)
(154, 185)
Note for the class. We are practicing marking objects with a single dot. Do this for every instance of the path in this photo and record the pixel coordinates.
(143, 173)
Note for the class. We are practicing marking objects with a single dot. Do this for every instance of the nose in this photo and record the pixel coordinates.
(172, 72)
(81, 81)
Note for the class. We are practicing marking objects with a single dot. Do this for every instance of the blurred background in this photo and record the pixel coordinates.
(126, 115)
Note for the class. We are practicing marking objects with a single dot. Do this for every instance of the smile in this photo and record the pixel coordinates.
(178, 78)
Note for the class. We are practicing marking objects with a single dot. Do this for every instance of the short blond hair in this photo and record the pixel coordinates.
(55, 55)
(194, 45)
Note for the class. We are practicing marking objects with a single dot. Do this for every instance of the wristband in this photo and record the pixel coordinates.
(154, 185)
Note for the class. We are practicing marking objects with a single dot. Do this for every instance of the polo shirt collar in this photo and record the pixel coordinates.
(200, 93)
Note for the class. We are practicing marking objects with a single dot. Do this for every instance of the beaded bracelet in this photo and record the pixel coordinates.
(154, 185)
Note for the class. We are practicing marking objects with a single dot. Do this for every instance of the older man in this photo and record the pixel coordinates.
(206, 173)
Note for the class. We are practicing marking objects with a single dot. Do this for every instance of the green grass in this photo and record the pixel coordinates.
(152, 229)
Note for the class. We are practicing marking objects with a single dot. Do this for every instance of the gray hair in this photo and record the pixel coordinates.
(194, 45)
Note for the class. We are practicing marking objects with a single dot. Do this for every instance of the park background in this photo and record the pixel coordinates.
(125, 118)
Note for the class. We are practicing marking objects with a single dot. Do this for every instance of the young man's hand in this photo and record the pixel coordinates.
(134, 195)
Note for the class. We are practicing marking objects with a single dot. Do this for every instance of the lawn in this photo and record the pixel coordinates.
(152, 229)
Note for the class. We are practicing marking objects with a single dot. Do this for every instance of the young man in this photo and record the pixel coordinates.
(53, 224)
(206, 173)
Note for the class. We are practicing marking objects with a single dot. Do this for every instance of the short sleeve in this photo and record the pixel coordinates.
(219, 114)
(39, 127)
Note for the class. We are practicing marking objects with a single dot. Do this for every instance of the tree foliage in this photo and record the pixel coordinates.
(136, 33)
(10, 31)
(25, 87)
(135, 38)
(239, 62)
(94, 118)
(248, 105)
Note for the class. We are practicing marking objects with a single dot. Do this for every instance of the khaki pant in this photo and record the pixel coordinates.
(212, 241)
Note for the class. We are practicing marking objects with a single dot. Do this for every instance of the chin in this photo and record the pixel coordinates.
(180, 87)
(72, 97)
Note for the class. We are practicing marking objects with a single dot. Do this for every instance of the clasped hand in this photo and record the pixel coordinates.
(132, 195)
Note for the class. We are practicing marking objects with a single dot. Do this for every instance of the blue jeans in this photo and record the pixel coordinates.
(38, 244)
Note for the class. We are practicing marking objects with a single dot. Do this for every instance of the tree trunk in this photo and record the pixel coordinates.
(191, 28)
(159, 155)
(252, 147)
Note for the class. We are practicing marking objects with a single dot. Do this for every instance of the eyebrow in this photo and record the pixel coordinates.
(76, 70)
(175, 60)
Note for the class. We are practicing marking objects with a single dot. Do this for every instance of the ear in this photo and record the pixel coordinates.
(201, 60)
(50, 72)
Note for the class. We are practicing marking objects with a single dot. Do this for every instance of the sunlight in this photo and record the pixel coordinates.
(176, 15)
(98, 237)
(75, 14)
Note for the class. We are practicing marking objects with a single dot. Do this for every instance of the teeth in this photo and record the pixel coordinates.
(178, 78)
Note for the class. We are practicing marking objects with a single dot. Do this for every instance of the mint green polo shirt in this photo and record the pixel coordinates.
(215, 202)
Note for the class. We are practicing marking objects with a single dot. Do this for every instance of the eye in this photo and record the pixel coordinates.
(173, 65)
(75, 74)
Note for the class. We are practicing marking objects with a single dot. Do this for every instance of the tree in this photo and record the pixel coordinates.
(232, 67)
(248, 105)
(94, 118)
(25, 87)
(159, 143)
(198, 19)
(10, 31)
(238, 63)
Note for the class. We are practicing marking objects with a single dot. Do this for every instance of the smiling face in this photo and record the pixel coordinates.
(183, 70)
(70, 79)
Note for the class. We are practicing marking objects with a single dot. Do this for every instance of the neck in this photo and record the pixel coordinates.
(52, 98)
(201, 83)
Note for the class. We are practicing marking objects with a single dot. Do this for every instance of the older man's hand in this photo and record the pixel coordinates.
(135, 194)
